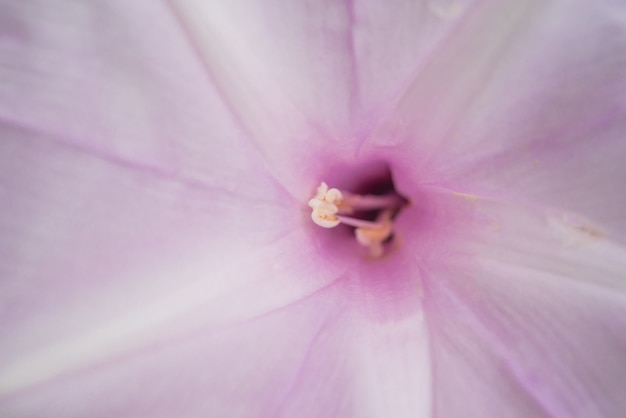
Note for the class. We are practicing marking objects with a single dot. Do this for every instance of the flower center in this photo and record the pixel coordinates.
(371, 214)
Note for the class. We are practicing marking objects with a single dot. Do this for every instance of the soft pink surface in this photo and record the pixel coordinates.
(156, 253)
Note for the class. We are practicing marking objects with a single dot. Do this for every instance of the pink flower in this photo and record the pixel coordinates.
(157, 253)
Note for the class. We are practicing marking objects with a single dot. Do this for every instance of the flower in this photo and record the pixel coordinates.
(158, 255)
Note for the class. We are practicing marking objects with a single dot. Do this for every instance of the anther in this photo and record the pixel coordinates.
(324, 205)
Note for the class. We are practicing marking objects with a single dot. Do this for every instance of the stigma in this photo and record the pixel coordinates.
(371, 215)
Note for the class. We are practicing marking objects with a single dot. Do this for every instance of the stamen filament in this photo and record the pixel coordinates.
(371, 202)
(358, 223)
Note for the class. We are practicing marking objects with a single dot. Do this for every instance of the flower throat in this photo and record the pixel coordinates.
(370, 210)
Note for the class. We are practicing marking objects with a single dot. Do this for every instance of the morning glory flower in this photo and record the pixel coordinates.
(312, 208)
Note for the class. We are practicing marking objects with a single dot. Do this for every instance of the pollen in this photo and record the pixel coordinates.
(371, 215)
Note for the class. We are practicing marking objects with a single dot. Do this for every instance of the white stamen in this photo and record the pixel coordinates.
(330, 206)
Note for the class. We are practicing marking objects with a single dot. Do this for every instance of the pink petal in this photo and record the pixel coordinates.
(86, 77)
(322, 356)
(535, 325)
(107, 262)
(526, 101)
(88, 244)
(311, 78)
(132, 200)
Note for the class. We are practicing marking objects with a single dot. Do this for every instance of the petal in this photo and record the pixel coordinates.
(335, 61)
(563, 116)
(426, 117)
(98, 257)
(117, 168)
(131, 197)
(327, 355)
(309, 79)
(534, 324)
(149, 104)
(526, 101)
